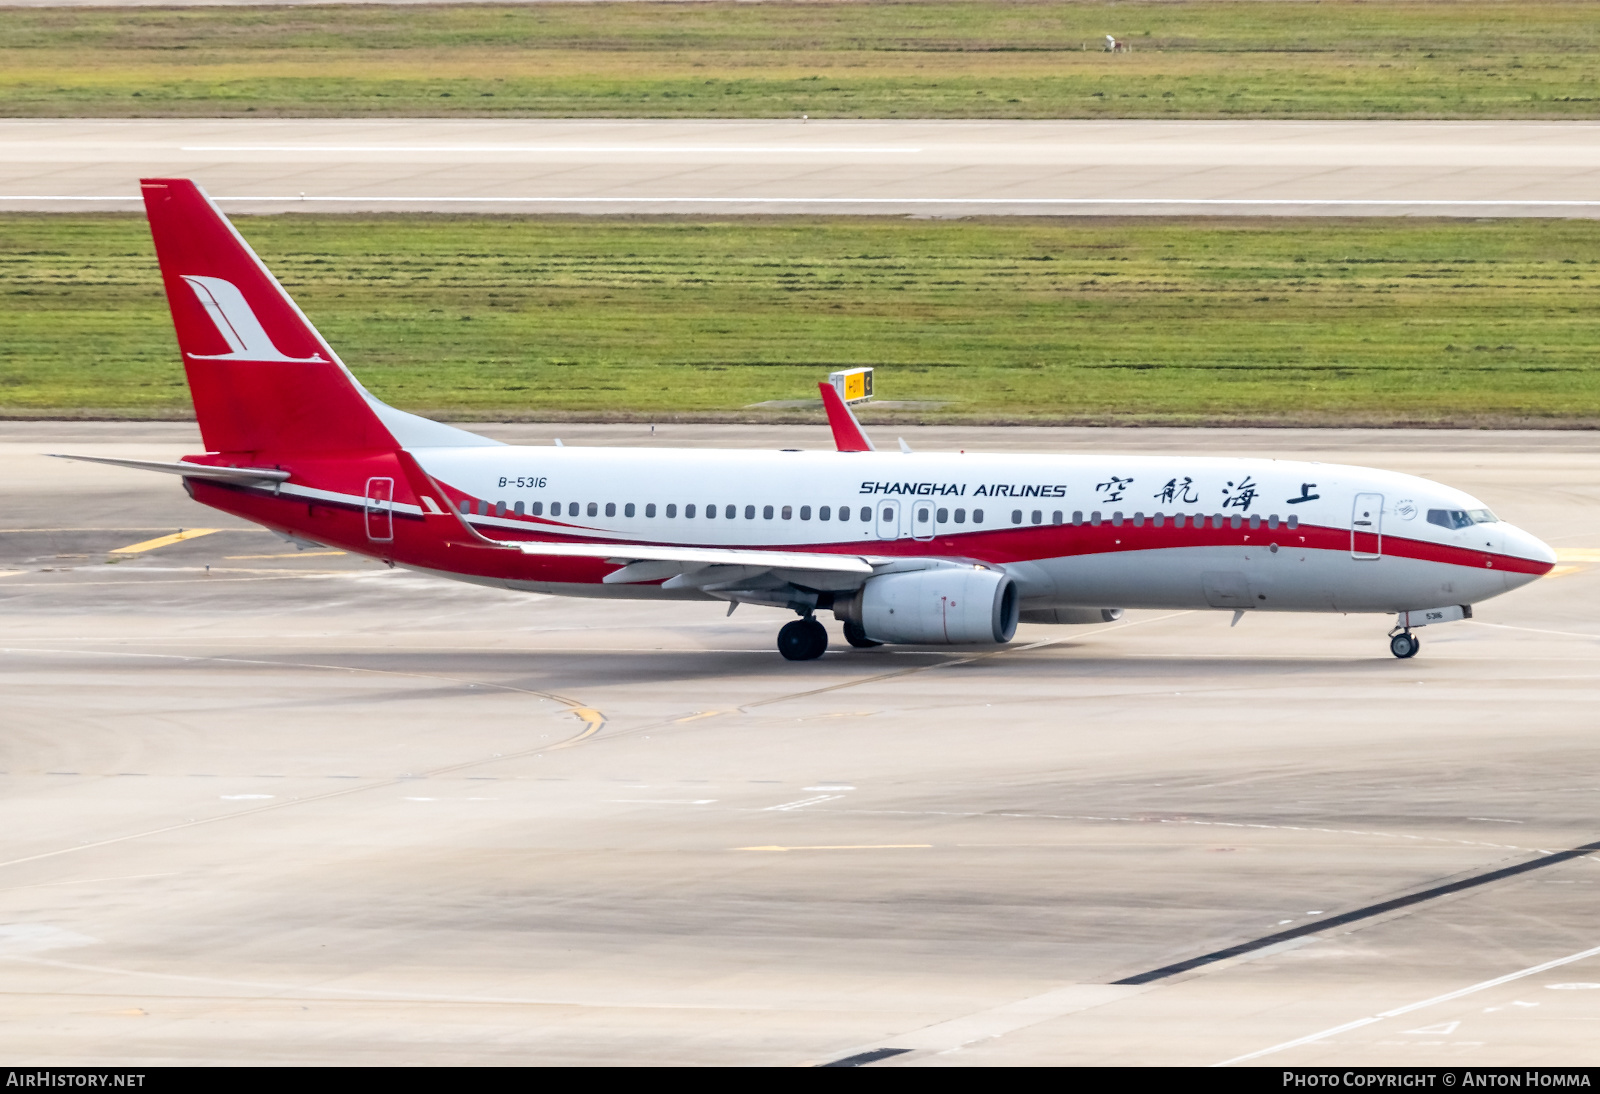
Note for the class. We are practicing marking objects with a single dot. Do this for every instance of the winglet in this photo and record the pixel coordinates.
(438, 515)
(847, 434)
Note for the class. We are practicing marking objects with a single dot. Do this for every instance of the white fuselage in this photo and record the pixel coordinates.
(1070, 530)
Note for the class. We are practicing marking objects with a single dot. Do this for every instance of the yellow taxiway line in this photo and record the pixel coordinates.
(163, 541)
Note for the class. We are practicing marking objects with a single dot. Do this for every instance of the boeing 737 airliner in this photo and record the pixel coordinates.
(905, 547)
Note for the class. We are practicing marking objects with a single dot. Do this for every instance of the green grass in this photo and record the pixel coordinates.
(1143, 320)
(961, 59)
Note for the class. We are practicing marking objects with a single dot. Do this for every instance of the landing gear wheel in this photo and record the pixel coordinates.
(857, 636)
(1405, 645)
(802, 640)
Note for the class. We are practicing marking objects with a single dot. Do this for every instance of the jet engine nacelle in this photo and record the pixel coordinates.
(945, 606)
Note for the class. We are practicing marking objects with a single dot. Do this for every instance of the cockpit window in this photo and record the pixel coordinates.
(1460, 518)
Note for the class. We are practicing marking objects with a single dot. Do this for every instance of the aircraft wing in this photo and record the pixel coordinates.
(186, 469)
(677, 560)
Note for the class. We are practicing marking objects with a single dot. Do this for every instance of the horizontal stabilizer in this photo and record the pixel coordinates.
(187, 470)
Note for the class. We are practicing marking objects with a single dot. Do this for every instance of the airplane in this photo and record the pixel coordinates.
(902, 547)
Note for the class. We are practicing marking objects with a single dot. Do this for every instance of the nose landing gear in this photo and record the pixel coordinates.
(802, 640)
(1405, 644)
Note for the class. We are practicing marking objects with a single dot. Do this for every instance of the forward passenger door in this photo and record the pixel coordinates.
(1366, 527)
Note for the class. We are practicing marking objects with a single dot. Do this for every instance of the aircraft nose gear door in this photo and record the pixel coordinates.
(380, 510)
(888, 520)
(922, 520)
(1366, 527)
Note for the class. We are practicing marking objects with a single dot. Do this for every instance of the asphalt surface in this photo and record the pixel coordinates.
(298, 807)
(937, 168)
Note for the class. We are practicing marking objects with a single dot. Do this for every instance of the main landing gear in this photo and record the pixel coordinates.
(1405, 644)
(802, 640)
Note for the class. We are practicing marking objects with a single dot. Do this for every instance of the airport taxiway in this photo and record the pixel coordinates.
(269, 806)
(919, 168)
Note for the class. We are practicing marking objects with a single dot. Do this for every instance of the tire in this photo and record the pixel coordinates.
(802, 640)
(1405, 645)
(857, 636)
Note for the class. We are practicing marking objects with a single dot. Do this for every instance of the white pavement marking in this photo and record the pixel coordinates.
(603, 149)
(802, 803)
(1409, 1008)
(984, 1025)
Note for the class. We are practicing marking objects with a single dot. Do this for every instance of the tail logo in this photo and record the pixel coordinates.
(247, 339)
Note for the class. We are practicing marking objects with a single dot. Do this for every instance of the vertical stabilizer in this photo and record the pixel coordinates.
(848, 436)
(262, 378)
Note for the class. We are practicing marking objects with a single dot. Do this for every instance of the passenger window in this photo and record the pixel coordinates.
(1077, 518)
(1055, 518)
(731, 511)
(1016, 516)
(1272, 522)
(1138, 520)
(650, 509)
(672, 510)
(805, 512)
(977, 516)
(594, 509)
(750, 512)
(961, 516)
(1116, 519)
(1037, 517)
(1236, 521)
(466, 505)
(517, 508)
(822, 514)
(538, 508)
(866, 512)
(1094, 519)
(688, 512)
(787, 514)
(1255, 521)
(628, 510)
(1158, 521)
(611, 508)
(1294, 522)
(711, 512)
(942, 516)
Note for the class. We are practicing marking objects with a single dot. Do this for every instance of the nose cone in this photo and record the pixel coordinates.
(1537, 557)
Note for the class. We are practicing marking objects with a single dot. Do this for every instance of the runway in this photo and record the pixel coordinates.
(940, 168)
(263, 806)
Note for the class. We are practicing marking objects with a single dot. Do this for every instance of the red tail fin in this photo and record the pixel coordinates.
(847, 433)
(262, 378)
